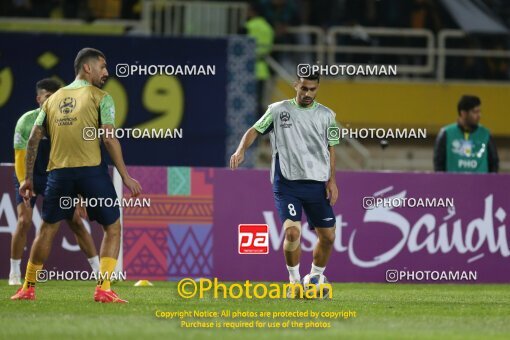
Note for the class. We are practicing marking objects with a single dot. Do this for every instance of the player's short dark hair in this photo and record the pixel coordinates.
(48, 84)
(467, 103)
(312, 76)
(84, 55)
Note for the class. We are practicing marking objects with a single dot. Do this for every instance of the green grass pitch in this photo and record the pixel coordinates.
(384, 311)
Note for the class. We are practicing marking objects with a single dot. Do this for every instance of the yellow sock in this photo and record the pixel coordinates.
(106, 266)
(31, 275)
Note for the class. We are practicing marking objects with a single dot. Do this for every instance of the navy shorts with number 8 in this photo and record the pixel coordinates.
(292, 197)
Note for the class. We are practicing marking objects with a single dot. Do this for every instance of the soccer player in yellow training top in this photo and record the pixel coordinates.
(75, 167)
(44, 89)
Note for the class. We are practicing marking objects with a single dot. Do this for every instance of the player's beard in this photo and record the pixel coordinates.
(473, 126)
(100, 83)
(307, 101)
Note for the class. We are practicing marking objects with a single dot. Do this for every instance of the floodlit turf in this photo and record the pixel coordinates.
(384, 311)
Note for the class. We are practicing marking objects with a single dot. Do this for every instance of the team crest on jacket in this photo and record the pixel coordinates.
(284, 118)
(67, 105)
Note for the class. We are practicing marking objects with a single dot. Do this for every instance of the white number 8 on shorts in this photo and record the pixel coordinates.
(292, 210)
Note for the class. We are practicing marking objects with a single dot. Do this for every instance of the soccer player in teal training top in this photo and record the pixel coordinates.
(302, 171)
(44, 89)
(75, 167)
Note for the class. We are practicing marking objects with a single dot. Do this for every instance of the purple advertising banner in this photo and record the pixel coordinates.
(421, 223)
(386, 222)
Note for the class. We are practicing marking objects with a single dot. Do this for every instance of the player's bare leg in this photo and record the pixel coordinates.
(292, 245)
(18, 242)
(41, 247)
(110, 248)
(292, 252)
(85, 241)
(322, 249)
(19, 238)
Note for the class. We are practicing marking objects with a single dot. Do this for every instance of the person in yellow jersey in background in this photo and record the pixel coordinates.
(75, 168)
(259, 29)
(44, 89)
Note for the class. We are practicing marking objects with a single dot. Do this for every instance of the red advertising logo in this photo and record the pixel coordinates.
(253, 239)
